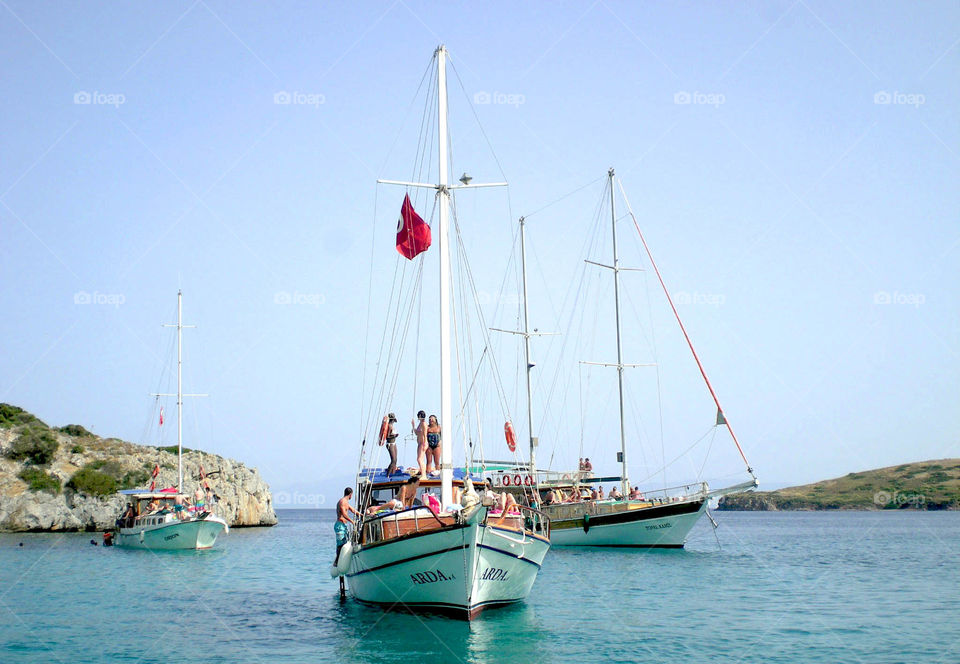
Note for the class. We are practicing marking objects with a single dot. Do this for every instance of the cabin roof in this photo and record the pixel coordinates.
(379, 476)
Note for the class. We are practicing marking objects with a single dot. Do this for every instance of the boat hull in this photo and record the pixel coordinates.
(660, 526)
(172, 536)
(459, 570)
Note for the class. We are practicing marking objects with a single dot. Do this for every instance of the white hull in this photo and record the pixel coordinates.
(459, 569)
(173, 535)
(665, 526)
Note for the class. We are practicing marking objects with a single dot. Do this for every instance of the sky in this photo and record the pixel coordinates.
(793, 166)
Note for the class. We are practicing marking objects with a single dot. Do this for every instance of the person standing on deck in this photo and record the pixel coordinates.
(389, 436)
(342, 525)
(434, 440)
(420, 430)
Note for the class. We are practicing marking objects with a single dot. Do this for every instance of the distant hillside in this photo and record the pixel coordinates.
(67, 478)
(925, 485)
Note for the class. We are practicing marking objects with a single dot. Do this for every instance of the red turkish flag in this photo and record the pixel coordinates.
(161, 415)
(413, 233)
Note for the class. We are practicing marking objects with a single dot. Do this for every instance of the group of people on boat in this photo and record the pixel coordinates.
(183, 506)
(429, 440)
(583, 494)
(585, 466)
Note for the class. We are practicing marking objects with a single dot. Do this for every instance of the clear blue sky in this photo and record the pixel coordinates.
(811, 178)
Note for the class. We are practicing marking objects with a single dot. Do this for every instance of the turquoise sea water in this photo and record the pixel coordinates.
(781, 587)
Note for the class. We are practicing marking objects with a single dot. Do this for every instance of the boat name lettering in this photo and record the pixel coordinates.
(421, 578)
(170, 537)
(493, 574)
(658, 527)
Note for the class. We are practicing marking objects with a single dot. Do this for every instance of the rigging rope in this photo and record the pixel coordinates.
(685, 335)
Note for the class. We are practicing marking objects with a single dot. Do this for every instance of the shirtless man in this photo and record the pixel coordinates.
(420, 429)
(343, 518)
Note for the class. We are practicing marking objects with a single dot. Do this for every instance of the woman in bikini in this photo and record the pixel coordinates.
(433, 445)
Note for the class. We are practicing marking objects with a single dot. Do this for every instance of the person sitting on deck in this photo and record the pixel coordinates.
(408, 492)
(550, 498)
(129, 516)
(615, 494)
(587, 466)
(600, 491)
(393, 504)
(633, 494)
(594, 494)
(575, 496)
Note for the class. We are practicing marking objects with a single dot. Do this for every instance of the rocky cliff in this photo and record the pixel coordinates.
(66, 478)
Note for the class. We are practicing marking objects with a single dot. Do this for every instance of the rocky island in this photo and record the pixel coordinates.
(66, 478)
(925, 485)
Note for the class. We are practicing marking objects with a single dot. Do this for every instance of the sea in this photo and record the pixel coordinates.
(761, 587)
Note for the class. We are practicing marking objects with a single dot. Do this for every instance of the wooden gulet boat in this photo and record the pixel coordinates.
(661, 518)
(460, 558)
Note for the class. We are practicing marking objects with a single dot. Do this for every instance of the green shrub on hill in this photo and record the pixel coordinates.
(11, 416)
(92, 482)
(74, 430)
(39, 480)
(36, 446)
(76, 449)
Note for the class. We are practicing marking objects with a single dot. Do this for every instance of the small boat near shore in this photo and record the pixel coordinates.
(165, 519)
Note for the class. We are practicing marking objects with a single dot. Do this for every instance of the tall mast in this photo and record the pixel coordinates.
(625, 480)
(179, 391)
(443, 189)
(446, 410)
(526, 345)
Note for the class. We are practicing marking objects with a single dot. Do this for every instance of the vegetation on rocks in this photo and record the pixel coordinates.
(11, 416)
(38, 479)
(74, 430)
(929, 485)
(33, 445)
(92, 482)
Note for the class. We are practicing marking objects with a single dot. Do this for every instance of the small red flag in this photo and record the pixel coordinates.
(161, 415)
(413, 233)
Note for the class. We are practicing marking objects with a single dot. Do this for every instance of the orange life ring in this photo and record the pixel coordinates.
(528, 480)
(384, 430)
(510, 436)
(505, 481)
(517, 481)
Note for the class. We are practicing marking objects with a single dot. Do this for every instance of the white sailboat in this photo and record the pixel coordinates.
(460, 558)
(163, 519)
(661, 518)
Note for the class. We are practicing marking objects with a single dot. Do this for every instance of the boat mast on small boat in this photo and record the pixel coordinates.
(460, 558)
(161, 519)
